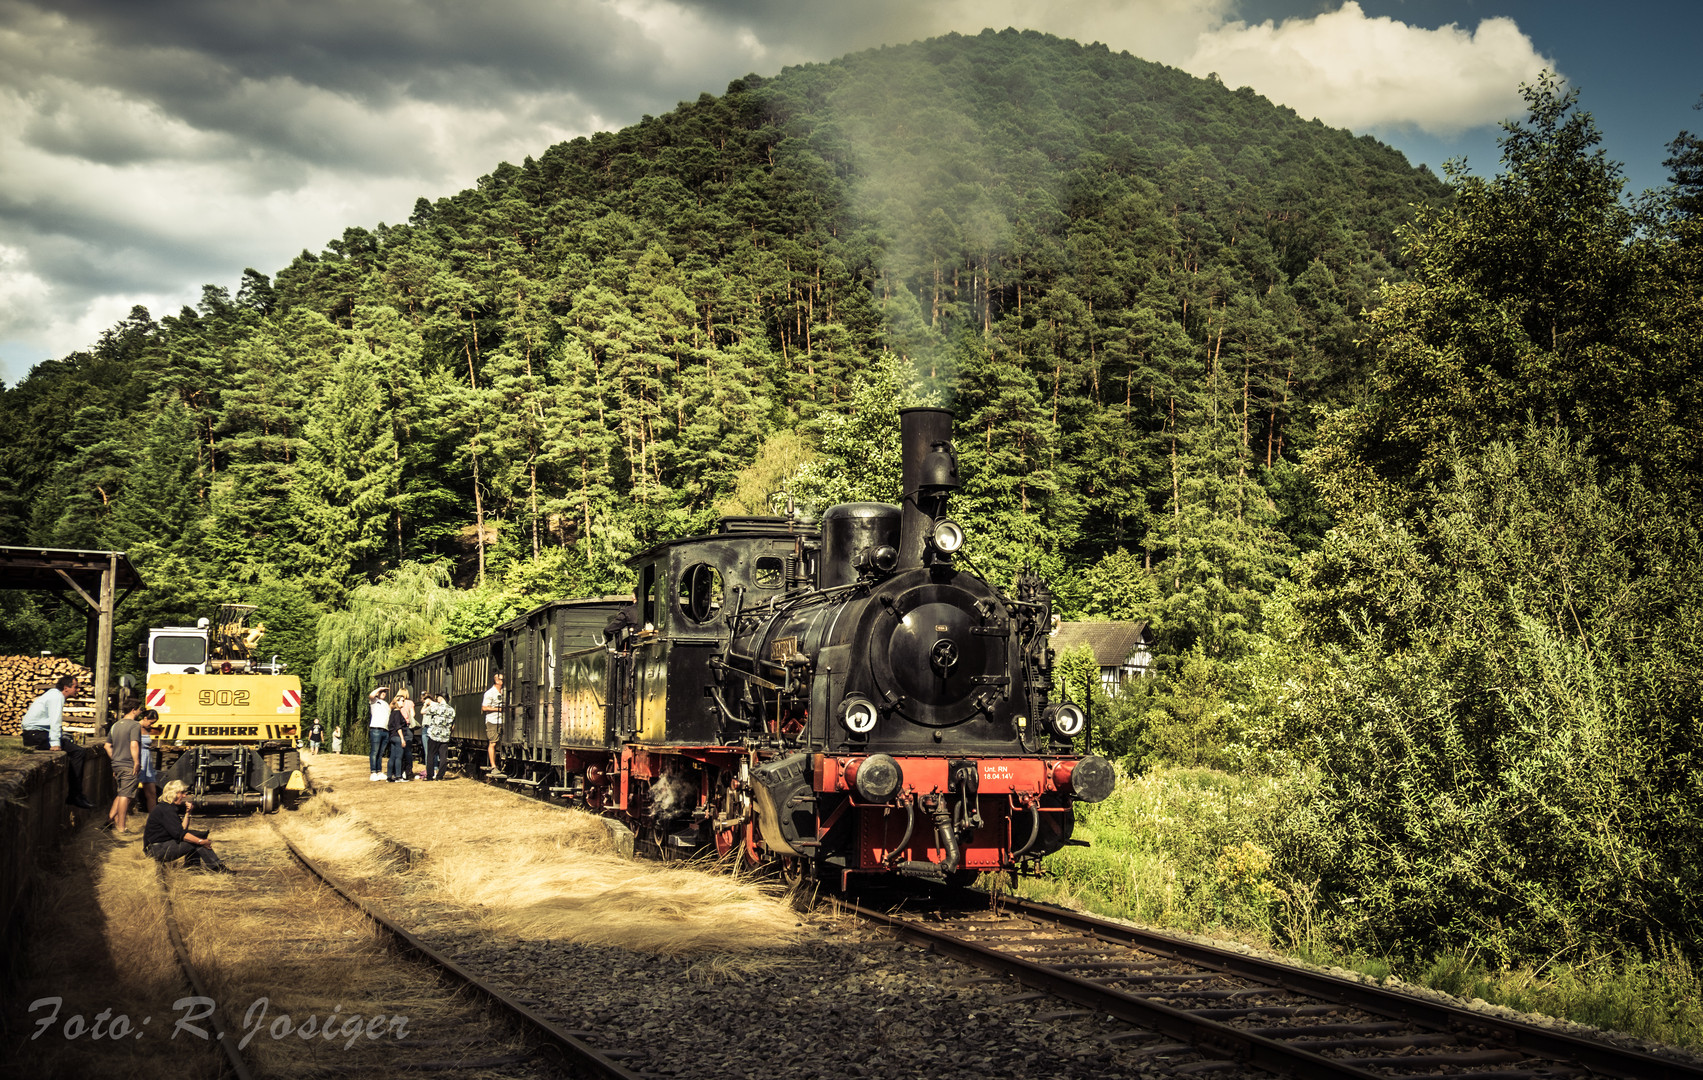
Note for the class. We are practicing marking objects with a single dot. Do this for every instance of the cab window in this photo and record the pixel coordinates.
(180, 651)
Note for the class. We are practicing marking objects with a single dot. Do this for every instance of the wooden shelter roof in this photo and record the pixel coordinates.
(55, 569)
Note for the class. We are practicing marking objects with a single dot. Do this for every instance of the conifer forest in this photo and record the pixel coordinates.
(1405, 471)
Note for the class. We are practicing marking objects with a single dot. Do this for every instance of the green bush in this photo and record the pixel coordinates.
(1502, 707)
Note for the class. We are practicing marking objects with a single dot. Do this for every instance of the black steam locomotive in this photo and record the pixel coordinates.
(842, 698)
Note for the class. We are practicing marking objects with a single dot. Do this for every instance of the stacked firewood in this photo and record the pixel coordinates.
(23, 678)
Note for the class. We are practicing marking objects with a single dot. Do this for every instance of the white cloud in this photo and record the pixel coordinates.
(1357, 72)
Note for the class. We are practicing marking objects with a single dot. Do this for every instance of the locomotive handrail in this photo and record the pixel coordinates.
(719, 664)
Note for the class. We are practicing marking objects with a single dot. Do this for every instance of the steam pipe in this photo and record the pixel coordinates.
(897, 853)
(947, 835)
(1034, 832)
(948, 838)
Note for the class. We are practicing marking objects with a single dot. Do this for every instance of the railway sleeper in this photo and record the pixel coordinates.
(1393, 1042)
(1416, 1062)
(1331, 1029)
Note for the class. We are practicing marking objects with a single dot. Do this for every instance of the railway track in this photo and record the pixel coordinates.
(580, 1057)
(224, 1039)
(457, 1023)
(1231, 1009)
(1224, 1009)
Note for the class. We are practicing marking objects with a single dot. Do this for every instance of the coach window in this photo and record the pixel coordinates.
(700, 592)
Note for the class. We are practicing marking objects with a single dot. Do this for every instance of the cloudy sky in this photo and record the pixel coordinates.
(149, 148)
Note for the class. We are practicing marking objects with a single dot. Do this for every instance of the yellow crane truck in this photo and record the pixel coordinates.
(229, 725)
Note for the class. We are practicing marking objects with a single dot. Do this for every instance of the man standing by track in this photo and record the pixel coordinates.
(124, 742)
(41, 731)
(378, 731)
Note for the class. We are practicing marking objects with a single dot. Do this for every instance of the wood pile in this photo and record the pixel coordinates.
(23, 678)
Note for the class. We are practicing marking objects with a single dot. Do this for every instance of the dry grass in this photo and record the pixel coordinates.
(98, 941)
(274, 943)
(534, 891)
(538, 872)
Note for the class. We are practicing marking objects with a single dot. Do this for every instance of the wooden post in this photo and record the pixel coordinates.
(103, 642)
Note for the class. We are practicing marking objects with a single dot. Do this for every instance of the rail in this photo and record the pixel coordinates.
(1261, 1013)
(575, 1049)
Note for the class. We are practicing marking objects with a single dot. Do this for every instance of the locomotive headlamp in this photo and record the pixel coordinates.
(858, 715)
(947, 536)
(881, 559)
(1065, 719)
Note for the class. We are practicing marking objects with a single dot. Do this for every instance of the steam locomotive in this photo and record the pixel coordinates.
(841, 697)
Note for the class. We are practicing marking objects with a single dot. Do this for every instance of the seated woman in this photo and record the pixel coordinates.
(164, 837)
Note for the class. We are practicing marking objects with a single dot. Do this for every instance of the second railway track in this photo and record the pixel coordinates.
(1233, 1009)
(580, 1056)
(333, 986)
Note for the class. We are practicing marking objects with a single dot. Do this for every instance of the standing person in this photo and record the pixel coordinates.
(124, 744)
(337, 740)
(398, 732)
(440, 718)
(146, 777)
(492, 708)
(315, 736)
(165, 838)
(41, 726)
(378, 730)
(410, 734)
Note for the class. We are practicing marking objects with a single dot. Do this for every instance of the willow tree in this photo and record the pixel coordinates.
(389, 622)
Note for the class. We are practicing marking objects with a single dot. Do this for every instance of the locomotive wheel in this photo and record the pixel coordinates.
(269, 801)
(796, 870)
(726, 840)
(753, 857)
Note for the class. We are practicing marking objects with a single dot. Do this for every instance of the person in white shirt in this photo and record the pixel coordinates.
(378, 731)
(41, 731)
(492, 707)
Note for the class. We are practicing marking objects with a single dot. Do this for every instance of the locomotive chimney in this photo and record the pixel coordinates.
(930, 476)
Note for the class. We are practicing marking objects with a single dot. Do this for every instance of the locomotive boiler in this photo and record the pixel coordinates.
(844, 697)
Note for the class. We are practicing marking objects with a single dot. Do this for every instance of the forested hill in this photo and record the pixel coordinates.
(1134, 288)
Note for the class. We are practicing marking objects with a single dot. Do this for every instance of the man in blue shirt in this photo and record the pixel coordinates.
(42, 732)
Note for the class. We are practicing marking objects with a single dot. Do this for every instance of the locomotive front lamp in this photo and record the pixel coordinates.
(947, 536)
(858, 715)
(1065, 719)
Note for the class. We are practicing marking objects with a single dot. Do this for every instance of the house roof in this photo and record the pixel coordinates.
(1113, 642)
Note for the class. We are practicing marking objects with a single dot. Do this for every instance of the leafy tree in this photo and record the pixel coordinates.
(1491, 640)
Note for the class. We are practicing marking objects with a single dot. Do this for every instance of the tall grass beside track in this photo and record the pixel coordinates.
(535, 872)
(1192, 849)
